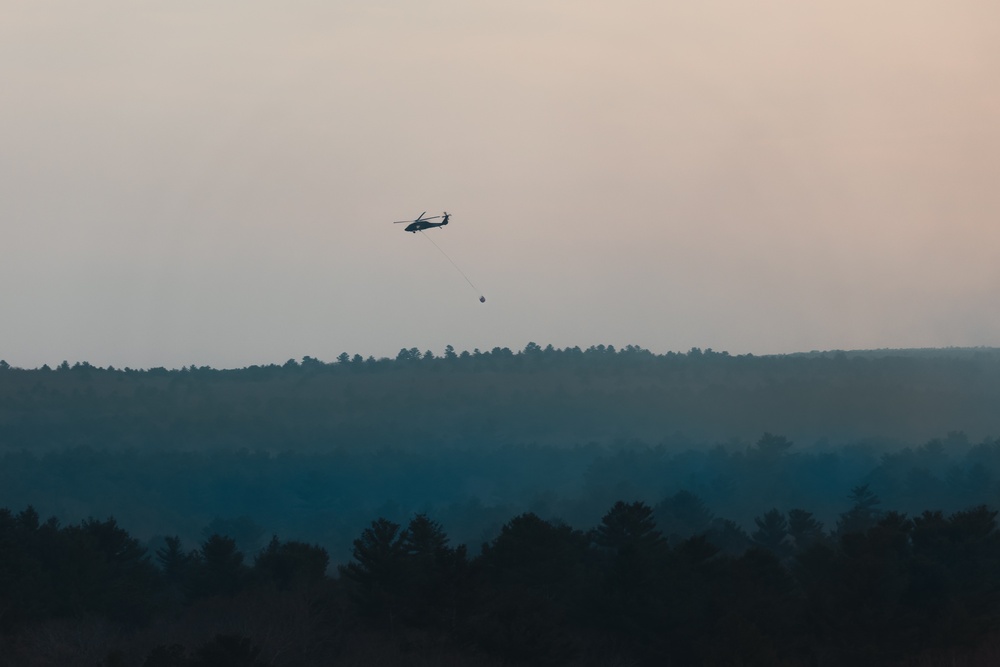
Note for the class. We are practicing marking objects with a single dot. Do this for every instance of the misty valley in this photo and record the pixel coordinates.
(594, 506)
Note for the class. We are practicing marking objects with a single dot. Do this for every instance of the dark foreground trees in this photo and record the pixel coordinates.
(899, 590)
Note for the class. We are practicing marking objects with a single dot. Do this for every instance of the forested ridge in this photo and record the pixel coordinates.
(537, 395)
(546, 506)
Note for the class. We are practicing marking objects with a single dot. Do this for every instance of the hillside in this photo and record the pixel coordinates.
(544, 396)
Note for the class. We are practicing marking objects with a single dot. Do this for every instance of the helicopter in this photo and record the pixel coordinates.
(422, 223)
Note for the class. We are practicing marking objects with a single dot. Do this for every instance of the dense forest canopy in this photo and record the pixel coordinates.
(379, 510)
(312, 450)
(877, 588)
(537, 395)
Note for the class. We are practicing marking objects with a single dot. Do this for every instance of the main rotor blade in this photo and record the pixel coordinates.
(420, 218)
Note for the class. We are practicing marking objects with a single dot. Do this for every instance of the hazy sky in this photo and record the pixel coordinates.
(214, 182)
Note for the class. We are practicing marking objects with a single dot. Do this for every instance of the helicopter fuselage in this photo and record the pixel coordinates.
(422, 223)
(420, 226)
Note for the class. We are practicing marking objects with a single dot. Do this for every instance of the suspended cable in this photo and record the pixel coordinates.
(476, 289)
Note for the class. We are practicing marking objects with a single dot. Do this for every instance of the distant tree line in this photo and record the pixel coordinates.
(877, 588)
(538, 395)
(327, 497)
